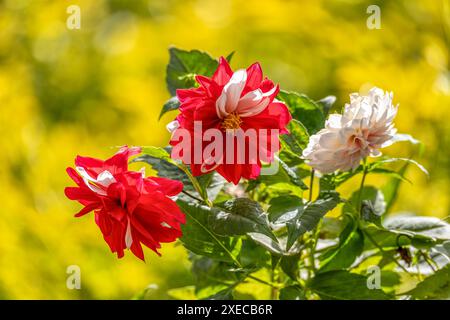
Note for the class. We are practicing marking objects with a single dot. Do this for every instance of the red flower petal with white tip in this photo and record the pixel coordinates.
(234, 103)
(129, 209)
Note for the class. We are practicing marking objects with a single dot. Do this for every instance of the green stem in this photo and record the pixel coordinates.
(191, 196)
(315, 232)
(274, 279)
(311, 185)
(361, 187)
(427, 260)
(272, 285)
(371, 239)
(196, 185)
(315, 239)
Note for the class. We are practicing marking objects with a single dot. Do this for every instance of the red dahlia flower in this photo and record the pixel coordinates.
(129, 208)
(240, 105)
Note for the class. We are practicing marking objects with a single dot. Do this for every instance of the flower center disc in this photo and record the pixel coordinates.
(232, 121)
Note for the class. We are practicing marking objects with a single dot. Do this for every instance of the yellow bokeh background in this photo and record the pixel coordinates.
(65, 92)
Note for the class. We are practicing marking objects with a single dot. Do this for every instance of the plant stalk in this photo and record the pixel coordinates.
(311, 185)
(192, 196)
(361, 187)
(196, 185)
(371, 239)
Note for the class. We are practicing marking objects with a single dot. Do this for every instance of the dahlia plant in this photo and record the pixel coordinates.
(236, 184)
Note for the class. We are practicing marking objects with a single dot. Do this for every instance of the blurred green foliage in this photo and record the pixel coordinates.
(67, 92)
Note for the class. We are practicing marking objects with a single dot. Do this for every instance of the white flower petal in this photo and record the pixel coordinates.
(231, 93)
(128, 237)
(365, 126)
(172, 126)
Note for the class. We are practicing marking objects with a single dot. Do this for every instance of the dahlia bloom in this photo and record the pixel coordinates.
(365, 126)
(129, 209)
(224, 109)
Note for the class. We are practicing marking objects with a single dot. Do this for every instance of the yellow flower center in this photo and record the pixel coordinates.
(232, 122)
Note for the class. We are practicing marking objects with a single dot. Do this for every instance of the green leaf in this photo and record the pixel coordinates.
(285, 174)
(160, 161)
(213, 183)
(292, 293)
(444, 249)
(185, 65)
(373, 204)
(290, 266)
(372, 194)
(331, 227)
(307, 219)
(418, 165)
(267, 242)
(343, 285)
(239, 217)
(388, 172)
(230, 56)
(330, 182)
(430, 227)
(390, 190)
(304, 110)
(291, 174)
(215, 279)
(171, 104)
(421, 232)
(351, 245)
(296, 140)
(157, 152)
(200, 239)
(225, 294)
(167, 169)
(326, 104)
(284, 208)
(436, 286)
(392, 239)
(275, 246)
(164, 168)
(253, 255)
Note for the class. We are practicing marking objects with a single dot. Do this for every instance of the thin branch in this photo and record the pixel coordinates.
(311, 185)
(383, 251)
(192, 196)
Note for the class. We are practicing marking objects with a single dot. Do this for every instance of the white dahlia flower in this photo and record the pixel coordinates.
(365, 126)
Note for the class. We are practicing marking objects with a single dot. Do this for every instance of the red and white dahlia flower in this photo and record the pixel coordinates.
(230, 123)
(129, 209)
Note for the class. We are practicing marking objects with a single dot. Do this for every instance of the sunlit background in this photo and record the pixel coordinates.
(67, 92)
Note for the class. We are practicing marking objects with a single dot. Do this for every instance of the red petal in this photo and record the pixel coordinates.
(119, 162)
(75, 176)
(87, 209)
(80, 194)
(136, 247)
(168, 186)
(223, 72)
(254, 78)
(93, 166)
(205, 82)
(184, 94)
(231, 172)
